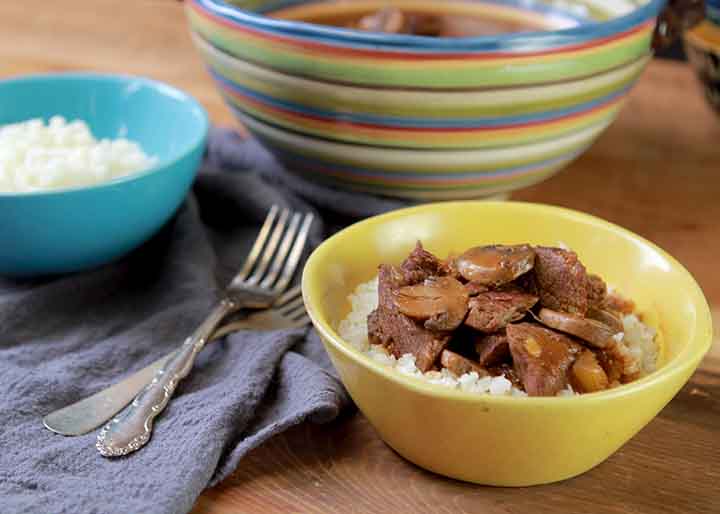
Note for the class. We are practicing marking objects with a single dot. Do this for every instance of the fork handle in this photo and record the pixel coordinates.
(132, 428)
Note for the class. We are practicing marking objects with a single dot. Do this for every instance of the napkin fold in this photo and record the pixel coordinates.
(64, 338)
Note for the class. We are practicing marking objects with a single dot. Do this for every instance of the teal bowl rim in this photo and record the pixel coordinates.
(118, 78)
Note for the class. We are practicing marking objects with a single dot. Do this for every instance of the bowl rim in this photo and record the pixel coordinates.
(162, 87)
(689, 357)
(518, 41)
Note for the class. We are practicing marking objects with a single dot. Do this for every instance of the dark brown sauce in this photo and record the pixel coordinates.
(396, 20)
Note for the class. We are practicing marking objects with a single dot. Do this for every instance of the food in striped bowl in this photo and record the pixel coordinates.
(475, 112)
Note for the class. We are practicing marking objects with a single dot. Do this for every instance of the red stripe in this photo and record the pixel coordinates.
(527, 124)
(335, 50)
(370, 179)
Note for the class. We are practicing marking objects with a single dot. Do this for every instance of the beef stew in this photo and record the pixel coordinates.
(530, 314)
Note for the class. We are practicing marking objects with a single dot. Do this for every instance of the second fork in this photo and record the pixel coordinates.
(266, 273)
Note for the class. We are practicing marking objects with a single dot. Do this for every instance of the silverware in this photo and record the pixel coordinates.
(287, 312)
(264, 276)
(88, 414)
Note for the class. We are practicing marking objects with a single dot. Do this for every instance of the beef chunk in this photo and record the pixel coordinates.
(460, 365)
(493, 310)
(474, 289)
(378, 333)
(420, 265)
(616, 302)
(541, 358)
(493, 349)
(396, 331)
(561, 280)
(597, 290)
(507, 371)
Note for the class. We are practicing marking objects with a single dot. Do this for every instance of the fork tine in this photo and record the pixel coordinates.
(292, 293)
(295, 254)
(229, 328)
(269, 249)
(282, 252)
(297, 311)
(257, 245)
(305, 320)
(291, 306)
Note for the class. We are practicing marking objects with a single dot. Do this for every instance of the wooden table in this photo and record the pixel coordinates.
(656, 171)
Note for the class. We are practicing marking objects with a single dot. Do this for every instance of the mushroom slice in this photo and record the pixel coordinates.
(442, 302)
(594, 332)
(606, 317)
(460, 365)
(495, 265)
(588, 375)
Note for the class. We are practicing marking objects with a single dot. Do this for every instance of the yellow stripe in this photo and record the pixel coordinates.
(426, 139)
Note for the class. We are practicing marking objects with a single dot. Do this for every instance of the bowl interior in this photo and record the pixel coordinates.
(663, 290)
(558, 14)
(164, 121)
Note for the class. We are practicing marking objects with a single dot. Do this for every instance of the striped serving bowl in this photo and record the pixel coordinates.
(426, 118)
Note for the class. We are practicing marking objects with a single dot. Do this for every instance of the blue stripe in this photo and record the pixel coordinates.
(514, 42)
(303, 163)
(390, 121)
(309, 162)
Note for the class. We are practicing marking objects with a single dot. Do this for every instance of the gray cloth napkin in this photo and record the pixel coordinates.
(64, 338)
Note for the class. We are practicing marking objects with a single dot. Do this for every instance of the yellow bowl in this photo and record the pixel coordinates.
(498, 440)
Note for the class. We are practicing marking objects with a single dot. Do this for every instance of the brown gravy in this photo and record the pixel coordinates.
(415, 18)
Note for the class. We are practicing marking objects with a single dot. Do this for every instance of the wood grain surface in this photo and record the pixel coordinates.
(656, 171)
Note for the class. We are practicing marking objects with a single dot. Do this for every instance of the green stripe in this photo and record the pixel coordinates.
(389, 103)
(424, 141)
(437, 187)
(499, 73)
(421, 167)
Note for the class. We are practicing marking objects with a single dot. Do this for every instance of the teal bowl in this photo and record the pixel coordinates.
(66, 230)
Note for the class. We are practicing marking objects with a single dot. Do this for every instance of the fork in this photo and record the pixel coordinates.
(266, 273)
(87, 414)
(287, 312)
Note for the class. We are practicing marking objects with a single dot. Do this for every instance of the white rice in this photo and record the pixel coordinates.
(35, 156)
(638, 337)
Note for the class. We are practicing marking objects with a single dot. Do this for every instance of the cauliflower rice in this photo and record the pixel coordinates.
(36, 157)
(638, 337)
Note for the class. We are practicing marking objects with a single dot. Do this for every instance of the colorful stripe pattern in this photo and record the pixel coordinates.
(421, 119)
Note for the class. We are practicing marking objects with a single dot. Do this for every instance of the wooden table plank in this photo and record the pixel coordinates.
(656, 171)
(136, 37)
